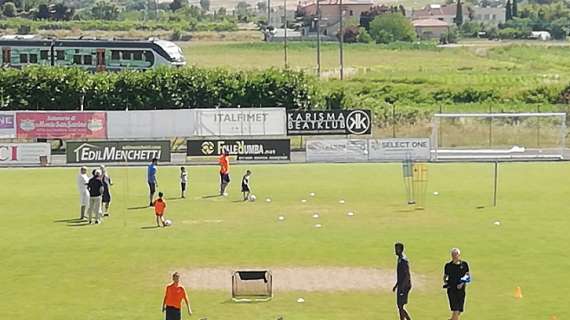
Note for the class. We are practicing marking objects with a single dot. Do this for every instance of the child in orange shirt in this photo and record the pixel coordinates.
(159, 208)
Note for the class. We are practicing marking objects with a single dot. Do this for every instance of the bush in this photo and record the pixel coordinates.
(49, 88)
(392, 27)
(364, 36)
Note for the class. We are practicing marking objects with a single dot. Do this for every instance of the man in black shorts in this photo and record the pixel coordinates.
(404, 281)
(455, 276)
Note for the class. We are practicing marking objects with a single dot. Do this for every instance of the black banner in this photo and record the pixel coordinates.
(339, 122)
(245, 149)
(117, 151)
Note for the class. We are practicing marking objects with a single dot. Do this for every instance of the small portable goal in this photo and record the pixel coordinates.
(252, 285)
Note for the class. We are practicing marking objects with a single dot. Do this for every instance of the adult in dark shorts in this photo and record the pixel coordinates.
(173, 297)
(404, 281)
(455, 276)
(151, 179)
(107, 183)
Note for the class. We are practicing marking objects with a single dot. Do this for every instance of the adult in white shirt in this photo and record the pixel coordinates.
(82, 180)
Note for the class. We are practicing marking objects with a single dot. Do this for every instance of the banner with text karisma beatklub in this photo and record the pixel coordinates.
(61, 125)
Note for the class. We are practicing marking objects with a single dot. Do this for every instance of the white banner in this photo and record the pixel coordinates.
(399, 149)
(337, 150)
(7, 125)
(23, 153)
(240, 122)
(151, 124)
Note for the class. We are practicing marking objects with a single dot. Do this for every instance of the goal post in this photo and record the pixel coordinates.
(252, 285)
(498, 136)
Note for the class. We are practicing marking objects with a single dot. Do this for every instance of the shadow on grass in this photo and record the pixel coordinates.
(74, 220)
(150, 227)
(138, 208)
(211, 196)
(82, 224)
(230, 301)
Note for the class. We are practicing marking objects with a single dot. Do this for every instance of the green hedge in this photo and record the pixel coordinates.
(47, 88)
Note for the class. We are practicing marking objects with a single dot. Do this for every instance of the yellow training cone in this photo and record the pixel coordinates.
(518, 293)
(553, 317)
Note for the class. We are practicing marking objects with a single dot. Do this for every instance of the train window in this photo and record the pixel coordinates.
(33, 58)
(127, 55)
(148, 56)
(44, 54)
(87, 59)
(115, 55)
(60, 55)
(137, 55)
(76, 51)
(23, 58)
(77, 59)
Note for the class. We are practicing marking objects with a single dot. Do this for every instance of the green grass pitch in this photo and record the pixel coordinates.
(52, 269)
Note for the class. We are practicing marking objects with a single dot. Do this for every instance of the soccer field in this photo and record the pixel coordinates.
(55, 268)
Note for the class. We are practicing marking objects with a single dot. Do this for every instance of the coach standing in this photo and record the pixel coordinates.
(224, 171)
(456, 275)
(404, 281)
(173, 297)
(151, 179)
(82, 181)
(95, 187)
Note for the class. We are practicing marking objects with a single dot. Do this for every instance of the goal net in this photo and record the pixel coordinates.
(252, 286)
(499, 136)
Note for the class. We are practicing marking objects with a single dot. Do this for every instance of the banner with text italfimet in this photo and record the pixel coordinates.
(335, 122)
(245, 149)
(150, 124)
(239, 122)
(117, 151)
(399, 149)
(7, 125)
(24, 153)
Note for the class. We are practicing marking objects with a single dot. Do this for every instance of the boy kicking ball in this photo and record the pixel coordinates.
(159, 208)
(245, 189)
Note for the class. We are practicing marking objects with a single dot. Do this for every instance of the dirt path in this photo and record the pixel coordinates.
(324, 279)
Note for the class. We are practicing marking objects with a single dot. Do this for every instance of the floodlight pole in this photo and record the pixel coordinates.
(318, 38)
(268, 12)
(285, 40)
(341, 13)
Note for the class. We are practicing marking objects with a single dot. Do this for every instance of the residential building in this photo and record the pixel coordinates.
(428, 29)
(492, 16)
(330, 14)
(443, 12)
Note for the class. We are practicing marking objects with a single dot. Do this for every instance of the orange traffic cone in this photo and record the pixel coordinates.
(518, 293)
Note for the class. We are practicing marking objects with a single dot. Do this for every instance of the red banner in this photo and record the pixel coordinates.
(63, 125)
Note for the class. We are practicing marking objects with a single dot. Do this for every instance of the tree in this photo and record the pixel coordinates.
(205, 5)
(262, 6)
(515, 8)
(509, 11)
(9, 9)
(222, 12)
(62, 12)
(392, 27)
(242, 11)
(104, 10)
(175, 5)
(459, 14)
(43, 11)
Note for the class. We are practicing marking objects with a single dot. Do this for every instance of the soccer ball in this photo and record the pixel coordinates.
(168, 223)
(252, 198)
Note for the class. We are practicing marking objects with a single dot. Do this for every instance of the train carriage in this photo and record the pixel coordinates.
(90, 54)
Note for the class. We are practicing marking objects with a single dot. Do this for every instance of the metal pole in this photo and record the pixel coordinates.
(491, 127)
(318, 38)
(495, 184)
(393, 120)
(538, 128)
(285, 21)
(268, 12)
(341, 12)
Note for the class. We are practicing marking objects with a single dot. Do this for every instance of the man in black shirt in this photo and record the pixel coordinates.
(95, 187)
(455, 276)
(404, 282)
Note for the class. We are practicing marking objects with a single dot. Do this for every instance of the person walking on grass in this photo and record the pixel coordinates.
(224, 162)
(95, 187)
(107, 183)
(151, 179)
(183, 182)
(245, 188)
(455, 277)
(173, 297)
(159, 209)
(82, 181)
(404, 281)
